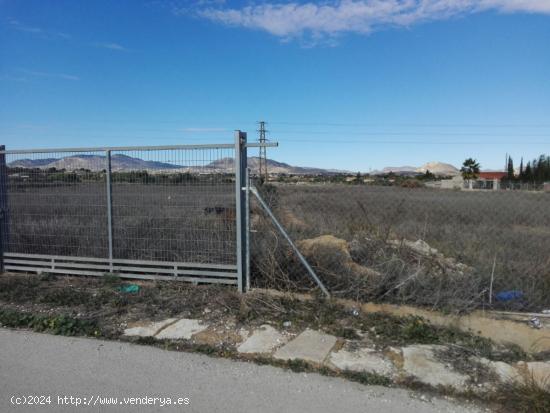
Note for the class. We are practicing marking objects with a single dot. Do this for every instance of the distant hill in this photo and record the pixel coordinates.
(121, 162)
(397, 170)
(32, 163)
(274, 167)
(439, 168)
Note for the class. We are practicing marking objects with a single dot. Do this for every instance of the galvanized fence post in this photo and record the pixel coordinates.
(240, 203)
(4, 221)
(246, 190)
(109, 208)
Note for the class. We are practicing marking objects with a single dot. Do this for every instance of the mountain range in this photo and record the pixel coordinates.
(120, 162)
(437, 168)
(275, 167)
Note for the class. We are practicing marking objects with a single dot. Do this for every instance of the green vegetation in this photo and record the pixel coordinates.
(368, 379)
(111, 279)
(20, 176)
(57, 324)
(536, 171)
(67, 296)
(389, 179)
(470, 169)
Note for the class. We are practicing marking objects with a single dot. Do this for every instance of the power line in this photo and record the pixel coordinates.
(422, 125)
(177, 132)
(407, 142)
(496, 134)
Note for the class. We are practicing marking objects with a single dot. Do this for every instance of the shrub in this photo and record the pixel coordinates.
(58, 324)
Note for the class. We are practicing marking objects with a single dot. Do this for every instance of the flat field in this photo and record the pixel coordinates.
(507, 229)
(179, 222)
(150, 221)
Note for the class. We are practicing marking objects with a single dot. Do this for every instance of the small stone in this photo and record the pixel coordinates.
(535, 323)
(504, 371)
(243, 333)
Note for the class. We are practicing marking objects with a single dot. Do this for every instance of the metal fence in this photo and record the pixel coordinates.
(182, 212)
(156, 212)
(407, 244)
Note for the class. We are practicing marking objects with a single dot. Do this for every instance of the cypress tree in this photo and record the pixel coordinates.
(510, 169)
(521, 170)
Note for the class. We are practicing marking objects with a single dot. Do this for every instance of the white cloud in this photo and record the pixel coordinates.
(63, 76)
(38, 31)
(111, 46)
(331, 18)
(51, 34)
(17, 25)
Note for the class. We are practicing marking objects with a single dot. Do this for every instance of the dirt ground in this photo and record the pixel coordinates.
(105, 307)
(104, 304)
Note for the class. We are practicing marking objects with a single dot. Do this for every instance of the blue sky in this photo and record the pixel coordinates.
(356, 84)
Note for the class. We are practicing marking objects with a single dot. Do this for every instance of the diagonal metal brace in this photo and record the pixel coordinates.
(289, 240)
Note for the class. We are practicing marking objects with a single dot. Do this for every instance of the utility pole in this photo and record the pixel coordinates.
(263, 153)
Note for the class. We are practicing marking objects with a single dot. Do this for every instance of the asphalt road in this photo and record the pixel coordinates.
(94, 371)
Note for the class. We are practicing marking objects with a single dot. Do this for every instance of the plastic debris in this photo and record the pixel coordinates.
(355, 312)
(509, 295)
(129, 289)
(545, 311)
(535, 323)
(287, 324)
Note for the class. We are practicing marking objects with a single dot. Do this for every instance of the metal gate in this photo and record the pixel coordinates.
(152, 212)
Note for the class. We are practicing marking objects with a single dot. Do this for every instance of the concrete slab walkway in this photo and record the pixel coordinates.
(419, 362)
(262, 341)
(311, 345)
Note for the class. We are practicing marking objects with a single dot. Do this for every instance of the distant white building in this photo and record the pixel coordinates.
(456, 182)
(484, 181)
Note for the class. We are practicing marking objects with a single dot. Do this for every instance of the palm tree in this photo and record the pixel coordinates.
(470, 169)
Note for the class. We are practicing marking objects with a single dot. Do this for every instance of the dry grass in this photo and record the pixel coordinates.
(150, 221)
(472, 228)
(527, 397)
(167, 222)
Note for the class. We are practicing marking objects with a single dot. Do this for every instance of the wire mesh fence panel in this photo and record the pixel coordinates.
(57, 204)
(142, 212)
(433, 247)
(180, 208)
